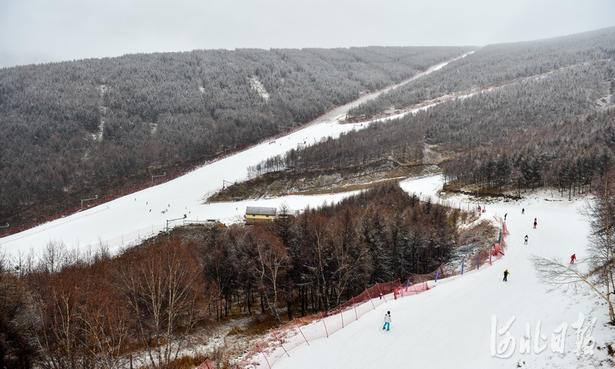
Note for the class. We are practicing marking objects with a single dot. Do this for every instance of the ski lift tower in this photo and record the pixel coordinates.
(85, 200)
(158, 176)
(172, 220)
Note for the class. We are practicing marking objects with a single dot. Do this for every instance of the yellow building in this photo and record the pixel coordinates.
(258, 214)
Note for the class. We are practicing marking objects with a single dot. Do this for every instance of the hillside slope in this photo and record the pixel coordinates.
(128, 219)
(450, 326)
(100, 126)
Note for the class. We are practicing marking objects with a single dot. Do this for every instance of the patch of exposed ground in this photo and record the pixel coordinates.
(320, 181)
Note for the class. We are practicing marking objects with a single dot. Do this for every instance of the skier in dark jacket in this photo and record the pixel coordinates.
(506, 273)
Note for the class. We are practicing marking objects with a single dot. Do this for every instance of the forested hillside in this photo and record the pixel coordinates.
(72, 130)
(551, 123)
(496, 64)
(526, 115)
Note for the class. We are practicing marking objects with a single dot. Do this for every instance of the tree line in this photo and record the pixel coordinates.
(493, 65)
(554, 130)
(93, 310)
(73, 129)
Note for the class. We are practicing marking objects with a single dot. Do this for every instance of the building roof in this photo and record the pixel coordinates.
(260, 210)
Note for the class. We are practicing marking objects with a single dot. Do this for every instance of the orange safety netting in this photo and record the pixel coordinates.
(301, 331)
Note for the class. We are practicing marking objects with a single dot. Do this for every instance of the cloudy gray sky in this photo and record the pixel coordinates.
(39, 31)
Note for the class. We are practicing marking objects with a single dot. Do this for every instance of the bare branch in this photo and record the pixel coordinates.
(556, 274)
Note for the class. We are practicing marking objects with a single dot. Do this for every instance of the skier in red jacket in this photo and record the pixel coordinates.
(573, 258)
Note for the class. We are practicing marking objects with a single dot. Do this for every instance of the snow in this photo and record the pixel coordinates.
(258, 86)
(449, 326)
(127, 220)
(114, 223)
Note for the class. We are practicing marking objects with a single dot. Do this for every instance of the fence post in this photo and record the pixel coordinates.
(265, 356)
(355, 309)
(281, 344)
(381, 294)
(322, 317)
(205, 365)
(342, 316)
(300, 331)
(370, 299)
(437, 274)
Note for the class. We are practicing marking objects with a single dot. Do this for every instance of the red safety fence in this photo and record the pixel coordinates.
(299, 331)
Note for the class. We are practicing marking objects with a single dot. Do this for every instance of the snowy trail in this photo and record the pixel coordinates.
(449, 326)
(122, 221)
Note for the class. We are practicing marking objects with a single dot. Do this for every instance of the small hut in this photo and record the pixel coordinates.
(258, 214)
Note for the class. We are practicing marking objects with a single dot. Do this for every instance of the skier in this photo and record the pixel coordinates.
(505, 215)
(387, 321)
(523, 211)
(506, 273)
(525, 239)
(535, 223)
(573, 258)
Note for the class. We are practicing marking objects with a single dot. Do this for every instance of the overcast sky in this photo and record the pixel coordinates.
(39, 31)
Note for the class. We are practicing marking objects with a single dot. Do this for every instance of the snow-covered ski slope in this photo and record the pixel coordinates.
(450, 326)
(121, 222)
(150, 209)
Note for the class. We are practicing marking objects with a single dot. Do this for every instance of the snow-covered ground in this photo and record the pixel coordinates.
(145, 212)
(449, 326)
(124, 221)
(452, 325)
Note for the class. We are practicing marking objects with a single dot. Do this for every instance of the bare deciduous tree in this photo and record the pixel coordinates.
(557, 274)
(162, 286)
(600, 213)
(270, 267)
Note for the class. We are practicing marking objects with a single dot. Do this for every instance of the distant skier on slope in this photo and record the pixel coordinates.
(387, 321)
(506, 273)
(525, 240)
(573, 258)
(535, 223)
